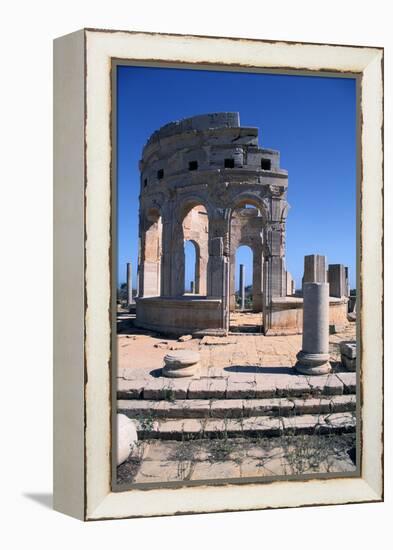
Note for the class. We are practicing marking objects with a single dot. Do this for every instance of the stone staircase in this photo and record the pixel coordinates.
(267, 405)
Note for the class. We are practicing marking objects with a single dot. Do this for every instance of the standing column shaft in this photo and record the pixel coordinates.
(129, 284)
(314, 356)
(242, 286)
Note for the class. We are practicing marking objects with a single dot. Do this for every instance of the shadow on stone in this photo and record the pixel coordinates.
(352, 454)
(156, 373)
(251, 369)
(125, 324)
(337, 366)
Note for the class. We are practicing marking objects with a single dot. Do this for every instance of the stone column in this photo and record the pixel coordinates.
(314, 269)
(232, 289)
(166, 262)
(242, 292)
(257, 279)
(337, 280)
(129, 285)
(177, 260)
(347, 286)
(289, 284)
(218, 272)
(314, 356)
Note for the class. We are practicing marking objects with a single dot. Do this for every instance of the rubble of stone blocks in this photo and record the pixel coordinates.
(348, 355)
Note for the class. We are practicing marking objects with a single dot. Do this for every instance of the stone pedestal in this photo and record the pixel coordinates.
(314, 356)
(181, 364)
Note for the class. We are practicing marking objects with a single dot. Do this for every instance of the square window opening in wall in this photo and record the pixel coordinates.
(160, 174)
(193, 165)
(266, 164)
(229, 163)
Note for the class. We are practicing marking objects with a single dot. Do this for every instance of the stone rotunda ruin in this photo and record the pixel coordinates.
(199, 178)
(206, 180)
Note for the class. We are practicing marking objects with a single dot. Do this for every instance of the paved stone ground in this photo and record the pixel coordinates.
(140, 354)
(246, 321)
(163, 461)
(242, 371)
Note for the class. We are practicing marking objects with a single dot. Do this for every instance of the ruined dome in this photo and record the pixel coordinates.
(205, 143)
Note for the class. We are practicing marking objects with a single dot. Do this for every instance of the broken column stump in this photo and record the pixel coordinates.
(181, 364)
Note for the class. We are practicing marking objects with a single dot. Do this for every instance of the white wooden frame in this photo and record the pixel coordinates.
(82, 174)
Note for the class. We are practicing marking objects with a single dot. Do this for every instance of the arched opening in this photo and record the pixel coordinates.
(246, 249)
(195, 234)
(151, 252)
(243, 278)
(191, 267)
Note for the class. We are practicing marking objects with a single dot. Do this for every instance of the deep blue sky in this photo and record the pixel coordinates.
(310, 120)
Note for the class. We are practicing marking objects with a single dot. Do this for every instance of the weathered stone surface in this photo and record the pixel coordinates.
(236, 408)
(348, 349)
(349, 381)
(349, 364)
(240, 390)
(319, 424)
(293, 386)
(162, 463)
(129, 389)
(338, 280)
(185, 338)
(153, 389)
(312, 406)
(126, 437)
(218, 340)
(181, 364)
(253, 426)
(341, 421)
(343, 403)
(315, 269)
(327, 385)
(290, 284)
(207, 389)
(161, 345)
(335, 329)
(264, 388)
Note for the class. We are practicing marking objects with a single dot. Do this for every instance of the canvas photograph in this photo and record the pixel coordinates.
(234, 276)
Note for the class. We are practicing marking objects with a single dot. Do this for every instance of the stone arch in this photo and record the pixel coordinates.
(254, 199)
(187, 202)
(235, 272)
(195, 228)
(246, 229)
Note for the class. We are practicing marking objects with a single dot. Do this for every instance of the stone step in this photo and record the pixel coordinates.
(255, 426)
(235, 408)
(238, 386)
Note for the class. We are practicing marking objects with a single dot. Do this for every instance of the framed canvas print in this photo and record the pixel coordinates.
(218, 274)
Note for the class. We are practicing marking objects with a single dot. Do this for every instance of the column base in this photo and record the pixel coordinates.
(181, 364)
(313, 363)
